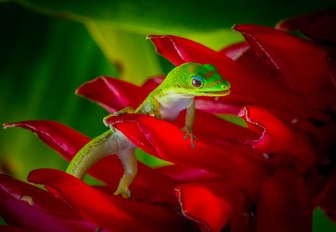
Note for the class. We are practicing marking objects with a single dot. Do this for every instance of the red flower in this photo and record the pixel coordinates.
(267, 177)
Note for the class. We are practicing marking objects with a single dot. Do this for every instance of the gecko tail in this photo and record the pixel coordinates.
(91, 153)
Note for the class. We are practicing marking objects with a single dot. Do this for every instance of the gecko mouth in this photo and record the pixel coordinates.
(217, 93)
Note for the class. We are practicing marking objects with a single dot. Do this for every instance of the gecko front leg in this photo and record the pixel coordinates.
(189, 122)
(150, 107)
(155, 107)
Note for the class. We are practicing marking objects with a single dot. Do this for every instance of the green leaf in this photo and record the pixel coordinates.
(321, 222)
(131, 53)
(173, 15)
(150, 160)
(135, 56)
(43, 60)
(119, 27)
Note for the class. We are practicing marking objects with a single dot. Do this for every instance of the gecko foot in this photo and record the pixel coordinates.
(123, 191)
(191, 136)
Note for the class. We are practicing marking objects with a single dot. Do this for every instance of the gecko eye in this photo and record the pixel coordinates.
(197, 82)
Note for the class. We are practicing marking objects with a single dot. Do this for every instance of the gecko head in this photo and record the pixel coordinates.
(199, 80)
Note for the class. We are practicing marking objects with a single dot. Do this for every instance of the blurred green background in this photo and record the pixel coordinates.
(48, 48)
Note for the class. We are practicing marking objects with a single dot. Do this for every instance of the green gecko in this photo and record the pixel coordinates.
(176, 93)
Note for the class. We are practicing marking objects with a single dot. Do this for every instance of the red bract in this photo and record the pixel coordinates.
(319, 25)
(100, 207)
(304, 70)
(113, 94)
(268, 176)
(26, 206)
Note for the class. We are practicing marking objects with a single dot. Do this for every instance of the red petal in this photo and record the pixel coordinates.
(210, 128)
(217, 106)
(112, 94)
(248, 75)
(277, 137)
(273, 93)
(226, 159)
(68, 141)
(149, 185)
(26, 206)
(281, 206)
(61, 138)
(212, 206)
(187, 174)
(236, 50)
(179, 50)
(115, 94)
(152, 83)
(302, 63)
(202, 120)
(318, 25)
(113, 213)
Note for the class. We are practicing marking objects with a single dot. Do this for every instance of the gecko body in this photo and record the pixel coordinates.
(176, 93)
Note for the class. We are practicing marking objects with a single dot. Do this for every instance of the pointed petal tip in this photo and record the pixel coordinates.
(154, 36)
(276, 136)
(235, 26)
(260, 129)
(23, 124)
(79, 90)
(8, 125)
(150, 37)
(156, 40)
(242, 112)
(281, 25)
(243, 28)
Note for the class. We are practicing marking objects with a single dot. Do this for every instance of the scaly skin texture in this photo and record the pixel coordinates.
(174, 94)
